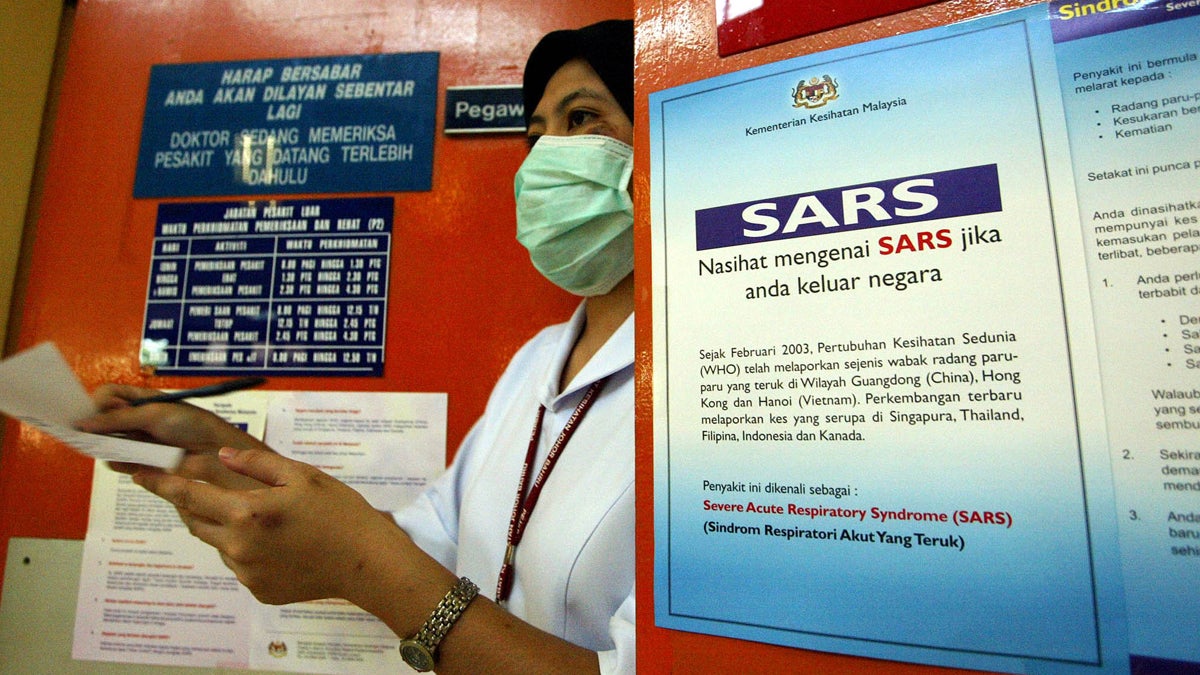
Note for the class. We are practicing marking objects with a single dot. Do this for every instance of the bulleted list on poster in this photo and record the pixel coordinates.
(1132, 101)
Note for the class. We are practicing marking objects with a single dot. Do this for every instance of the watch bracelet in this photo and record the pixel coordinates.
(447, 612)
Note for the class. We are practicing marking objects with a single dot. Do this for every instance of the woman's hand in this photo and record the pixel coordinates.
(304, 536)
(298, 534)
(199, 432)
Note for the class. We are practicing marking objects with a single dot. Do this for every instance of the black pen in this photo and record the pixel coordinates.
(200, 392)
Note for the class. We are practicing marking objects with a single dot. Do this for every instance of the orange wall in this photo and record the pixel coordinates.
(676, 44)
(463, 295)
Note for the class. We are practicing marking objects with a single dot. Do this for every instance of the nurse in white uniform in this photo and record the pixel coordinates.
(520, 559)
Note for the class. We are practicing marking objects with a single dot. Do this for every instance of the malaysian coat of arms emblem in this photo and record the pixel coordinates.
(815, 93)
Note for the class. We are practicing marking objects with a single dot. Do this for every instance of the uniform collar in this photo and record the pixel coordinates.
(615, 355)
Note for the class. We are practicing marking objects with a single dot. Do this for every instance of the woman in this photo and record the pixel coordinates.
(542, 487)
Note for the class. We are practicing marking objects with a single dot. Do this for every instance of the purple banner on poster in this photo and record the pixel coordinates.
(896, 201)
(1075, 20)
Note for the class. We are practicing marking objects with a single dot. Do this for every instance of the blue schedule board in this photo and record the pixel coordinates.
(269, 287)
(332, 124)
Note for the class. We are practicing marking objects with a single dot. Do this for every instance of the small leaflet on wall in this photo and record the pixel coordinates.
(949, 307)
(356, 123)
(1130, 84)
(269, 287)
(151, 593)
(387, 446)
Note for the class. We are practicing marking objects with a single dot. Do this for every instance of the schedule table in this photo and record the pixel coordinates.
(283, 287)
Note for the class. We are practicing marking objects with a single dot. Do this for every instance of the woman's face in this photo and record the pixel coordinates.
(575, 102)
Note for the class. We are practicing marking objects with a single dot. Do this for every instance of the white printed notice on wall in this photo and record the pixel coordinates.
(893, 437)
(151, 593)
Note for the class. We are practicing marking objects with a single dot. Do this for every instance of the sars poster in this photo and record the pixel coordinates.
(889, 378)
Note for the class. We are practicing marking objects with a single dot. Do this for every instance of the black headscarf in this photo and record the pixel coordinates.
(606, 46)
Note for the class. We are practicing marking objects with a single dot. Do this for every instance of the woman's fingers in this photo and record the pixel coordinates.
(266, 467)
(109, 396)
(206, 509)
(299, 535)
(120, 419)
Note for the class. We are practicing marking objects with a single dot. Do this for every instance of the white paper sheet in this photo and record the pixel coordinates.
(367, 440)
(387, 446)
(41, 390)
(151, 593)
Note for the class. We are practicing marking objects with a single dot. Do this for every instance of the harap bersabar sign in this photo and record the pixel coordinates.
(360, 123)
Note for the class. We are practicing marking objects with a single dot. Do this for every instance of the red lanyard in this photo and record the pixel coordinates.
(525, 503)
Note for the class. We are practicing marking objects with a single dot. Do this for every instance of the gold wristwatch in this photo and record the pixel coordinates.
(419, 651)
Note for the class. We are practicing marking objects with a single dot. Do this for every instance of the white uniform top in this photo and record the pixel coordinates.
(575, 564)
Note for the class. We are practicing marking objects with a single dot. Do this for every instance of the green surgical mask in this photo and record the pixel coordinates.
(574, 214)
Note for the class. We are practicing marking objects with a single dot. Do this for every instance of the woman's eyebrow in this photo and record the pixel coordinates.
(580, 93)
(584, 93)
(565, 102)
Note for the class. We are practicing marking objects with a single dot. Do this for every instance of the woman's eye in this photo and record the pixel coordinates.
(579, 117)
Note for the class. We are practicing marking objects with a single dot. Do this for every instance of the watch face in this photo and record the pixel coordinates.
(416, 655)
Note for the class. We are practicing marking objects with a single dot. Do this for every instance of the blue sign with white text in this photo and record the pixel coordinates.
(269, 287)
(484, 109)
(330, 124)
